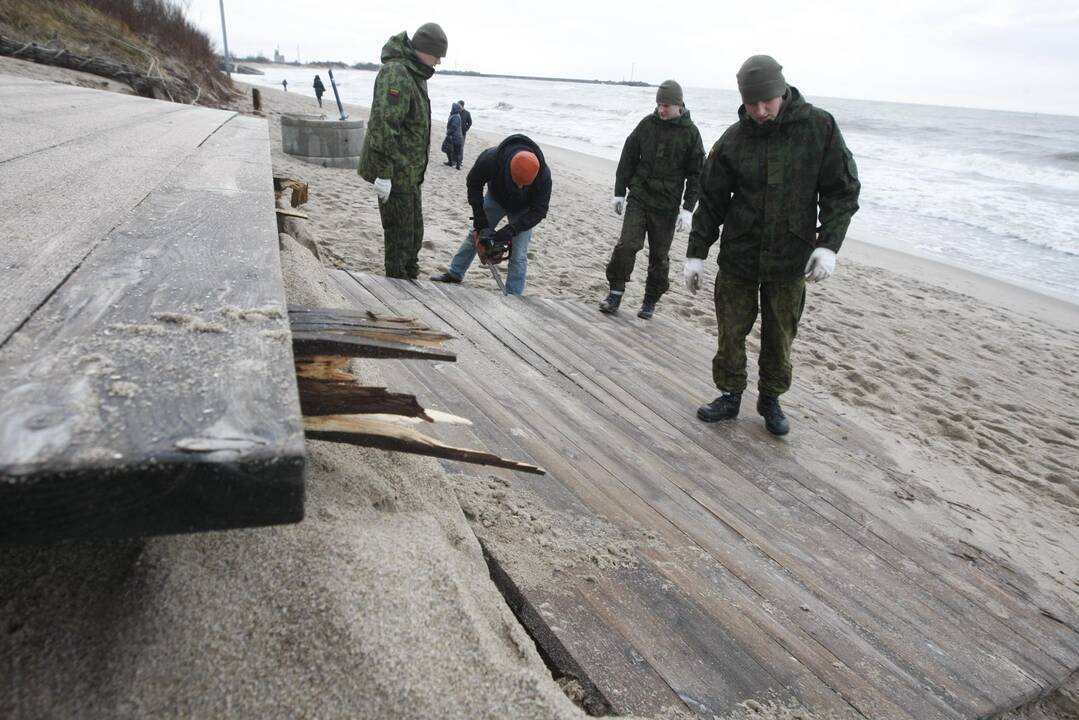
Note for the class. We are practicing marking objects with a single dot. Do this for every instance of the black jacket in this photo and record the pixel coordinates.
(661, 164)
(492, 169)
(319, 87)
(453, 126)
(466, 120)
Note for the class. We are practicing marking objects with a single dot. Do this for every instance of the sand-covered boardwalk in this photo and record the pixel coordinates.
(726, 564)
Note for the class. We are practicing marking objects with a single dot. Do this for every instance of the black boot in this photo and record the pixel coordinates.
(446, 278)
(774, 419)
(611, 302)
(724, 407)
(648, 309)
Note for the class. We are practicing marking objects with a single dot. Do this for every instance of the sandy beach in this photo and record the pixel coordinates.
(379, 604)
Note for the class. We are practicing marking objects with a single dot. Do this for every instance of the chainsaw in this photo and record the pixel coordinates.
(491, 252)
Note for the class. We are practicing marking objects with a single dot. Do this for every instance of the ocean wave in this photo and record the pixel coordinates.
(1068, 157)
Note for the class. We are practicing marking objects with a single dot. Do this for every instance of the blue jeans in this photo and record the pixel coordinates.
(518, 263)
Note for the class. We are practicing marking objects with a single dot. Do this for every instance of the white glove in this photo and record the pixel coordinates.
(684, 221)
(618, 203)
(821, 265)
(692, 274)
(382, 187)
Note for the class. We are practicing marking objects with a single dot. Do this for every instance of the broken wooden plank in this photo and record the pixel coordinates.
(323, 367)
(318, 343)
(384, 434)
(346, 397)
(299, 189)
(345, 319)
(337, 331)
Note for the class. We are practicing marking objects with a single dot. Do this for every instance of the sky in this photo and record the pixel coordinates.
(1006, 55)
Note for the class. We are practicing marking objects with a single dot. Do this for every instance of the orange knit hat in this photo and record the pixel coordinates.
(524, 167)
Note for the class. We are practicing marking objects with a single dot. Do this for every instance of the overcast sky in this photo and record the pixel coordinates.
(1010, 55)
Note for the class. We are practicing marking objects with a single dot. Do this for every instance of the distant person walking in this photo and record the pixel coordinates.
(319, 89)
(518, 188)
(466, 119)
(454, 144)
(397, 145)
(660, 167)
(284, 84)
(767, 181)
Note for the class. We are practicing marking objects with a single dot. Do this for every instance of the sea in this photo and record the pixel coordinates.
(993, 192)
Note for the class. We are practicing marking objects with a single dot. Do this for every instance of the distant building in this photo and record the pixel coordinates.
(277, 56)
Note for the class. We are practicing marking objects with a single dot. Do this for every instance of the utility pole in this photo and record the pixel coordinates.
(225, 42)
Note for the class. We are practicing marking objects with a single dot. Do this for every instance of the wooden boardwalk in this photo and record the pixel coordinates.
(146, 374)
(752, 575)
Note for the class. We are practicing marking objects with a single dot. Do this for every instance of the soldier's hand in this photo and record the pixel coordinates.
(692, 273)
(684, 221)
(618, 203)
(821, 265)
(382, 188)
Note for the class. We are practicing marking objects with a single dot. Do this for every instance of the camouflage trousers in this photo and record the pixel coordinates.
(780, 307)
(659, 227)
(402, 228)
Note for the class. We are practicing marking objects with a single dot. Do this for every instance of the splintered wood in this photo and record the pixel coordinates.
(337, 408)
(351, 333)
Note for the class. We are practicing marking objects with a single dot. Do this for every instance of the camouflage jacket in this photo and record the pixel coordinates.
(398, 136)
(659, 159)
(764, 183)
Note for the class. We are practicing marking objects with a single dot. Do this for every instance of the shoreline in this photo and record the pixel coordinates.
(1057, 309)
(1042, 303)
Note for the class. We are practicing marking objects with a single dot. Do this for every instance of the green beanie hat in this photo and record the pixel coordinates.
(761, 78)
(431, 39)
(669, 93)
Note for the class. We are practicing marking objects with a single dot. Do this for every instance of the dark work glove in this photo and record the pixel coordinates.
(487, 238)
(505, 234)
(479, 221)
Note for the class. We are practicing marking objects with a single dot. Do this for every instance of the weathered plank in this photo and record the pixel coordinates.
(346, 397)
(153, 391)
(63, 200)
(328, 331)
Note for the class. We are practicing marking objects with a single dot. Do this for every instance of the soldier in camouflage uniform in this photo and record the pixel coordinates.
(661, 156)
(398, 139)
(764, 182)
